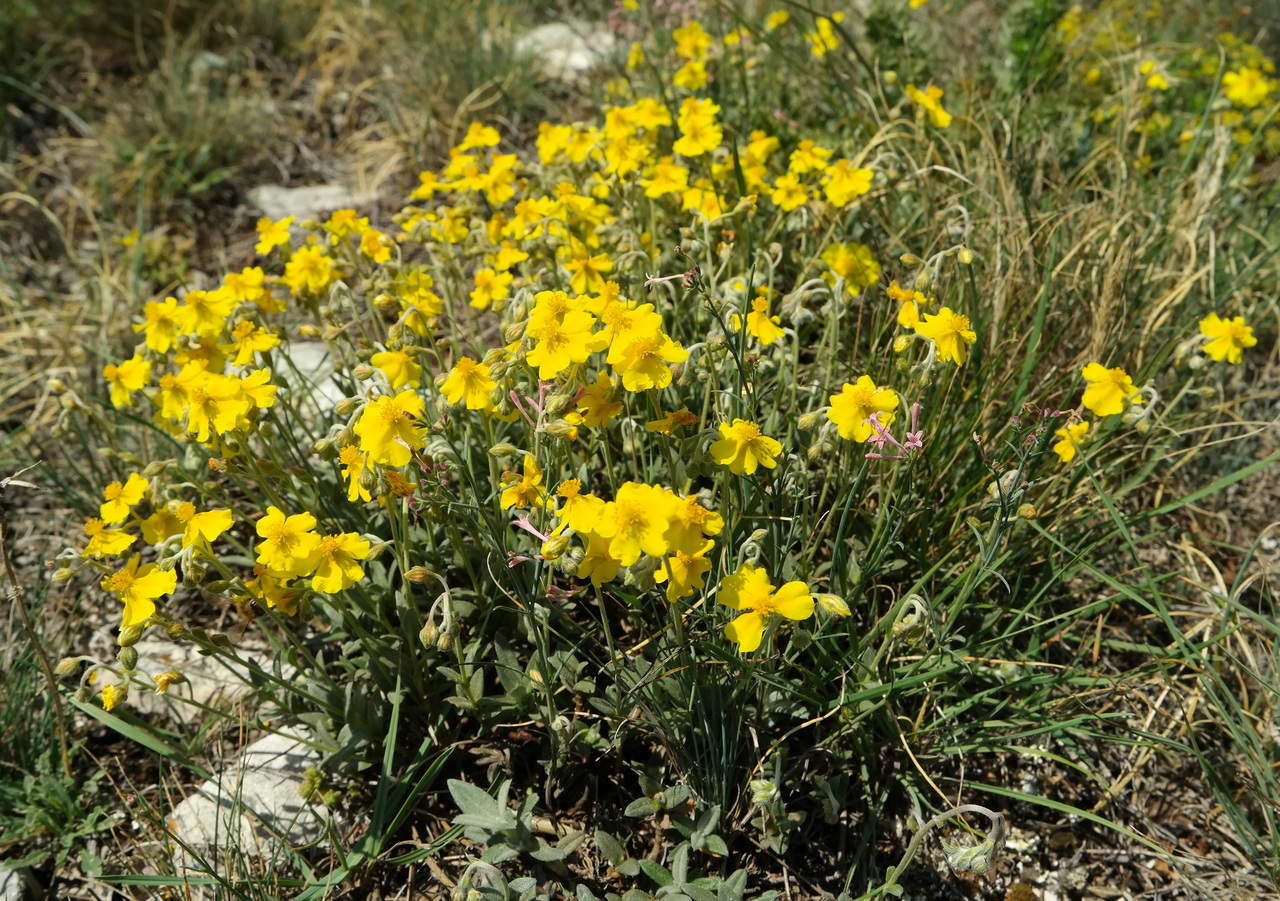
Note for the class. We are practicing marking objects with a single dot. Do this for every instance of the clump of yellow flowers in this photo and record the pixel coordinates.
(519, 385)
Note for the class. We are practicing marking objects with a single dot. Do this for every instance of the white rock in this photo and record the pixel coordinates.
(211, 681)
(18, 885)
(310, 377)
(565, 51)
(308, 202)
(250, 807)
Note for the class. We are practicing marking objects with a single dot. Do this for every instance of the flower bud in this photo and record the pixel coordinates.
(833, 604)
(346, 406)
(383, 301)
(889, 76)
(129, 635)
(128, 657)
(429, 634)
(418, 574)
(67, 666)
(554, 547)
(513, 333)
(910, 259)
(810, 420)
(62, 575)
(965, 256)
(363, 371)
(762, 791)
(1027, 511)
(558, 428)
(56, 386)
(502, 450)
(166, 679)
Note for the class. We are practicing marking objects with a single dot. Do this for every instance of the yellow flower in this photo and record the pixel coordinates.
(776, 19)
(205, 312)
(353, 466)
(201, 528)
(138, 587)
(842, 183)
(855, 404)
(750, 590)
(1109, 390)
(579, 512)
(375, 245)
(636, 522)
(214, 403)
(586, 271)
(643, 359)
(950, 332)
(336, 566)
(112, 695)
(597, 404)
(471, 381)
(247, 339)
(699, 131)
(104, 542)
(1072, 437)
(909, 312)
(743, 447)
(290, 542)
(692, 76)
(665, 177)
(692, 41)
(161, 324)
(399, 368)
(344, 222)
(684, 573)
(670, 422)
(788, 192)
(524, 490)
(562, 342)
(508, 255)
(852, 262)
(272, 234)
(247, 286)
(309, 270)
(126, 378)
(257, 388)
(689, 524)
(272, 590)
(390, 428)
(824, 38)
(120, 499)
(1227, 337)
(598, 563)
(809, 156)
(492, 287)
(760, 325)
(162, 525)
(929, 100)
(1248, 87)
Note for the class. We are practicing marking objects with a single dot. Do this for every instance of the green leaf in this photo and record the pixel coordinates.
(642, 807)
(610, 847)
(657, 872)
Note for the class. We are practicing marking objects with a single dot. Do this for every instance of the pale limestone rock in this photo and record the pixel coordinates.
(307, 202)
(211, 681)
(252, 807)
(565, 51)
